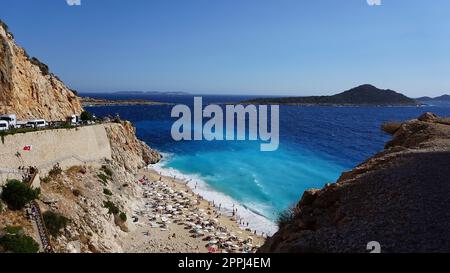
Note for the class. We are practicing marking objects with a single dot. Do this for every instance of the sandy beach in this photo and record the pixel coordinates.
(174, 219)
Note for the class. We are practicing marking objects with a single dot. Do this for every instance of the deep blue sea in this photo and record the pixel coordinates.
(316, 145)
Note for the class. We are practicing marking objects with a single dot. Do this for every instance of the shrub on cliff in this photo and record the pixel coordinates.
(107, 192)
(17, 194)
(86, 116)
(5, 26)
(123, 217)
(103, 178)
(55, 171)
(46, 179)
(287, 216)
(107, 170)
(112, 208)
(75, 92)
(18, 244)
(43, 67)
(54, 222)
(13, 230)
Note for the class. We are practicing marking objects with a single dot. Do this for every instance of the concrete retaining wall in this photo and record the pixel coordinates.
(68, 147)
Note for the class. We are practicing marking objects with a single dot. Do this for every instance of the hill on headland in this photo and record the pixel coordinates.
(440, 99)
(152, 93)
(362, 95)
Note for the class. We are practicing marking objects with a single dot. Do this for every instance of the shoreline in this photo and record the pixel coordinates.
(198, 227)
(256, 221)
(93, 102)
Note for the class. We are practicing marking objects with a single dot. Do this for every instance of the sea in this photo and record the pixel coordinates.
(316, 145)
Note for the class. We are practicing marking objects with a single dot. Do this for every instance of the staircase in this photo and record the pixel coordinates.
(39, 220)
(42, 230)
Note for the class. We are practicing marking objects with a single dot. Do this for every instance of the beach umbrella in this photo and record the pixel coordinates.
(213, 248)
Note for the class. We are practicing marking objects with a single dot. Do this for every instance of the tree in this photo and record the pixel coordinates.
(86, 116)
(54, 222)
(19, 243)
(17, 194)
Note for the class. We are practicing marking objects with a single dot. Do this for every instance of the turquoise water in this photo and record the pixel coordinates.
(316, 145)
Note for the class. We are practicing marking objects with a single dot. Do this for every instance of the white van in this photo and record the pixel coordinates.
(11, 119)
(36, 123)
(4, 125)
(21, 124)
(74, 119)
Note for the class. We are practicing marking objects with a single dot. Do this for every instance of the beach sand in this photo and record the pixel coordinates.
(196, 216)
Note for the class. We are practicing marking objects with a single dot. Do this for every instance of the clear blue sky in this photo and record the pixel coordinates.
(294, 47)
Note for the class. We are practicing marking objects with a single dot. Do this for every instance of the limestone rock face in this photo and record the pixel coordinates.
(27, 90)
(400, 198)
(127, 150)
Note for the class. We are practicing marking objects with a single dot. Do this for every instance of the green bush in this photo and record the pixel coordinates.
(107, 170)
(112, 208)
(56, 171)
(54, 222)
(46, 179)
(103, 178)
(17, 194)
(19, 244)
(86, 116)
(13, 230)
(123, 217)
(286, 217)
(107, 192)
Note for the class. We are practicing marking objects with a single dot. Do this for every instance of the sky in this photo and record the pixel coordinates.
(262, 47)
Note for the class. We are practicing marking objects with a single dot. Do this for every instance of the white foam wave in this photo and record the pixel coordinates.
(255, 220)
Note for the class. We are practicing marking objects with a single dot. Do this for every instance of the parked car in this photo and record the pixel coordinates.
(37, 123)
(4, 125)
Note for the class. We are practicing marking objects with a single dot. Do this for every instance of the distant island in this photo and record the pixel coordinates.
(440, 99)
(160, 93)
(362, 95)
(91, 102)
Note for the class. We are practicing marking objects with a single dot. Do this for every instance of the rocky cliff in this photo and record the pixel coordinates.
(399, 198)
(80, 192)
(127, 150)
(27, 88)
